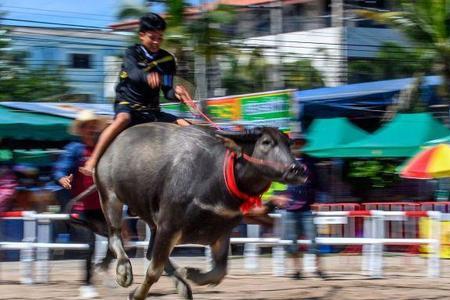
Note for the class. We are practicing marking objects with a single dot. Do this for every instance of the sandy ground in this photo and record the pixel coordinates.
(404, 278)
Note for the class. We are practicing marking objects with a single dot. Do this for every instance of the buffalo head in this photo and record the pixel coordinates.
(270, 153)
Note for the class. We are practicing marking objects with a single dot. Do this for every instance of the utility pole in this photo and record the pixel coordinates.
(200, 68)
(276, 28)
(338, 21)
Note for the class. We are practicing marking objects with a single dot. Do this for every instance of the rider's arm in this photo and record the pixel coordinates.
(167, 87)
(131, 69)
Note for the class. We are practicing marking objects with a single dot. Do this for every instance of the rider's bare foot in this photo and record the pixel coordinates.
(87, 169)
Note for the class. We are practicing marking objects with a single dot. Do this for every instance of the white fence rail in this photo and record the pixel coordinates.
(36, 244)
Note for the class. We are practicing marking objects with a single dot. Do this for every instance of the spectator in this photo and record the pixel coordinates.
(87, 212)
(298, 218)
(8, 184)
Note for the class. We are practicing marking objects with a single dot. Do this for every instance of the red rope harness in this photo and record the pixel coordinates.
(195, 107)
(249, 201)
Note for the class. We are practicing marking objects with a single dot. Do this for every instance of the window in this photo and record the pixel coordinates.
(80, 61)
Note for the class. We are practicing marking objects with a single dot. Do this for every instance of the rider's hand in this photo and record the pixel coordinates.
(257, 211)
(154, 80)
(66, 181)
(182, 94)
(279, 201)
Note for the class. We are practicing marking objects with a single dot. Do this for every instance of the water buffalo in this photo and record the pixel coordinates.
(180, 181)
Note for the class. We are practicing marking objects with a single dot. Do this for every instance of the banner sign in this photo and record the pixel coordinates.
(260, 109)
(270, 109)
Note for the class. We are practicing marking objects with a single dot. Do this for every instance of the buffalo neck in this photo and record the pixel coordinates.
(248, 179)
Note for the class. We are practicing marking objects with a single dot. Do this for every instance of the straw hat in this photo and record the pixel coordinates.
(84, 116)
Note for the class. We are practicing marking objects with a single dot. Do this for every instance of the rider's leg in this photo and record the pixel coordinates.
(119, 124)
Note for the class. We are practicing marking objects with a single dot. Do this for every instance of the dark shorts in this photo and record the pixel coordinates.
(142, 116)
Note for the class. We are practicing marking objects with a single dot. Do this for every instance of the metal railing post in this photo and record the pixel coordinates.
(27, 254)
(42, 253)
(433, 269)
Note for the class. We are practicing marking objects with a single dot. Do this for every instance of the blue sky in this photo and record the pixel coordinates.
(98, 13)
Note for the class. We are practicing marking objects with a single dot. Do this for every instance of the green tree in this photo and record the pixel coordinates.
(426, 23)
(368, 175)
(302, 75)
(391, 62)
(128, 10)
(247, 78)
(254, 76)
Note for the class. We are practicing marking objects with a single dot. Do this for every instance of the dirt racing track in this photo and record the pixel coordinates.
(405, 278)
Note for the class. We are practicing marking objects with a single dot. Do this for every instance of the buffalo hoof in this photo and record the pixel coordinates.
(132, 296)
(124, 273)
(200, 278)
(183, 289)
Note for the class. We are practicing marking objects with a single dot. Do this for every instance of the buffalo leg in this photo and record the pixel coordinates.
(183, 288)
(219, 251)
(151, 243)
(164, 242)
(112, 208)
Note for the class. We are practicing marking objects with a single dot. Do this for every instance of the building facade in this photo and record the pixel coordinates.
(326, 32)
(89, 58)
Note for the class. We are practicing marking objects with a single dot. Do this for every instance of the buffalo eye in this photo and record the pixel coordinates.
(266, 142)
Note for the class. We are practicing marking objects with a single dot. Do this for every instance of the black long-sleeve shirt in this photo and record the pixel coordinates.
(137, 64)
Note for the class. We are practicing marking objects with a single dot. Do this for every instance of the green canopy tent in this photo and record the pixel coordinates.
(25, 129)
(21, 125)
(325, 135)
(402, 137)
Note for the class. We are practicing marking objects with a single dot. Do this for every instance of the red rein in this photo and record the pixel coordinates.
(249, 201)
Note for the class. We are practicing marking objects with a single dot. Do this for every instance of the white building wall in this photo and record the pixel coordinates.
(327, 48)
(319, 45)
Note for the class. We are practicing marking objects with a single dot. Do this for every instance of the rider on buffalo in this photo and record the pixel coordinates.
(146, 70)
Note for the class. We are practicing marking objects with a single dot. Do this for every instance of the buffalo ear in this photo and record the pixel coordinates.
(231, 145)
(245, 136)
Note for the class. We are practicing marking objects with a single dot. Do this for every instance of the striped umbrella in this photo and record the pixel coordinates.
(433, 162)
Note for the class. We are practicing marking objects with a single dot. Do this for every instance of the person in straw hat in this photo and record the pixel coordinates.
(86, 213)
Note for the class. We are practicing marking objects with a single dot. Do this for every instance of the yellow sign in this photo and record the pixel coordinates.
(425, 232)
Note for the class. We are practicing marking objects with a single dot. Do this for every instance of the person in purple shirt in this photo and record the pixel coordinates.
(297, 219)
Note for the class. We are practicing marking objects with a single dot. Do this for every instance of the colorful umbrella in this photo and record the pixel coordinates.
(433, 162)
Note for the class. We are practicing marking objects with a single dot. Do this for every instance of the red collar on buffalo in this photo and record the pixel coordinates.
(249, 201)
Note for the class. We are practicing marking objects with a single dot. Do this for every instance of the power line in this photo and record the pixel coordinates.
(72, 17)
(54, 10)
(53, 23)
